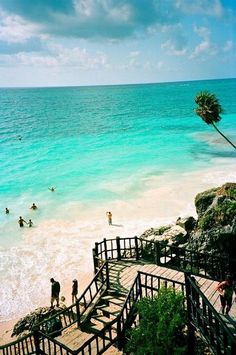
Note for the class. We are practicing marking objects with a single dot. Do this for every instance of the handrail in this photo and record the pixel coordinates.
(70, 314)
(26, 342)
(106, 335)
(47, 343)
(75, 311)
(202, 264)
(206, 319)
(101, 341)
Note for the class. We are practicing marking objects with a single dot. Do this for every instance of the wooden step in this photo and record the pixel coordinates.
(101, 318)
(109, 311)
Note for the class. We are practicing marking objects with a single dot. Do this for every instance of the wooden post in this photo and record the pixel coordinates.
(139, 291)
(105, 247)
(157, 252)
(78, 313)
(191, 334)
(120, 338)
(118, 248)
(107, 275)
(136, 247)
(36, 342)
(95, 261)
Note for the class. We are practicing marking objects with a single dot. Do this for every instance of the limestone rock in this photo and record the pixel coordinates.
(26, 324)
(215, 231)
(188, 223)
(171, 234)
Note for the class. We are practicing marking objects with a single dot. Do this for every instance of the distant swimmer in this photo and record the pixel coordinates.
(19, 138)
(30, 223)
(34, 207)
(21, 222)
(7, 210)
(109, 217)
(52, 189)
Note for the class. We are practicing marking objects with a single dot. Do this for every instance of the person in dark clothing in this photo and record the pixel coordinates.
(55, 292)
(7, 210)
(74, 291)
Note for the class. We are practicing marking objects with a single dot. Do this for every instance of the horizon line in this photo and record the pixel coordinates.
(123, 84)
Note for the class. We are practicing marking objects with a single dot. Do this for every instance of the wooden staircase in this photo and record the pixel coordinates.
(104, 312)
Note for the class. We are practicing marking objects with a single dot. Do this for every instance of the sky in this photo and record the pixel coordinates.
(100, 42)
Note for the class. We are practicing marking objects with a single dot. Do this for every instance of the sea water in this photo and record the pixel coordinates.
(137, 150)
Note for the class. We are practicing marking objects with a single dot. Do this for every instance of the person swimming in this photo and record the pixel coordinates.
(52, 189)
(34, 207)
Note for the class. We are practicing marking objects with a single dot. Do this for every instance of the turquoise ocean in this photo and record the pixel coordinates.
(137, 150)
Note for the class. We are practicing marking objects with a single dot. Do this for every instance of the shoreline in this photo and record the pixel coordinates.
(67, 244)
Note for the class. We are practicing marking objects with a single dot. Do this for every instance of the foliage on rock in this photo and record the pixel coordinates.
(26, 325)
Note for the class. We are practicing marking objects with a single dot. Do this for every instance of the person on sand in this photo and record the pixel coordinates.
(74, 291)
(63, 302)
(21, 222)
(30, 223)
(226, 290)
(52, 189)
(55, 292)
(109, 216)
(34, 207)
(7, 211)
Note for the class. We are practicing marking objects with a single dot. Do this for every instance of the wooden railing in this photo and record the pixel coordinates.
(74, 313)
(206, 265)
(144, 285)
(54, 325)
(203, 317)
(25, 345)
(48, 345)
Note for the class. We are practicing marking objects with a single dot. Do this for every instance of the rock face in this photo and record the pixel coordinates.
(173, 234)
(215, 231)
(25, 325)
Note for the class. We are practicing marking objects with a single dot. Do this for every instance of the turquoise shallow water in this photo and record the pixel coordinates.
(101, 147)
(78, 137)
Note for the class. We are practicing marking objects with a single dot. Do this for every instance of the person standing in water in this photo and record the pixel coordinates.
(34, 207)
(74, 290)
(30, 223)
(21, 222)
(109, 216)
(7, 211)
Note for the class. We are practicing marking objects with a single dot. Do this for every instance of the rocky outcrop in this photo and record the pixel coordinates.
(26, 325)
(215, 231)
(173, 234)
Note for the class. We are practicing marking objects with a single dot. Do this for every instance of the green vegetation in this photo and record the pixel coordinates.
(209, 109)
(222, 214)
(160, 330)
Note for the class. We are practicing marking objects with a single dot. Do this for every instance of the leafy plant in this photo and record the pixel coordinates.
(162, 321)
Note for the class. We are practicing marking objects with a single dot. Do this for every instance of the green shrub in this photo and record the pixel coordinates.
(160, 330)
